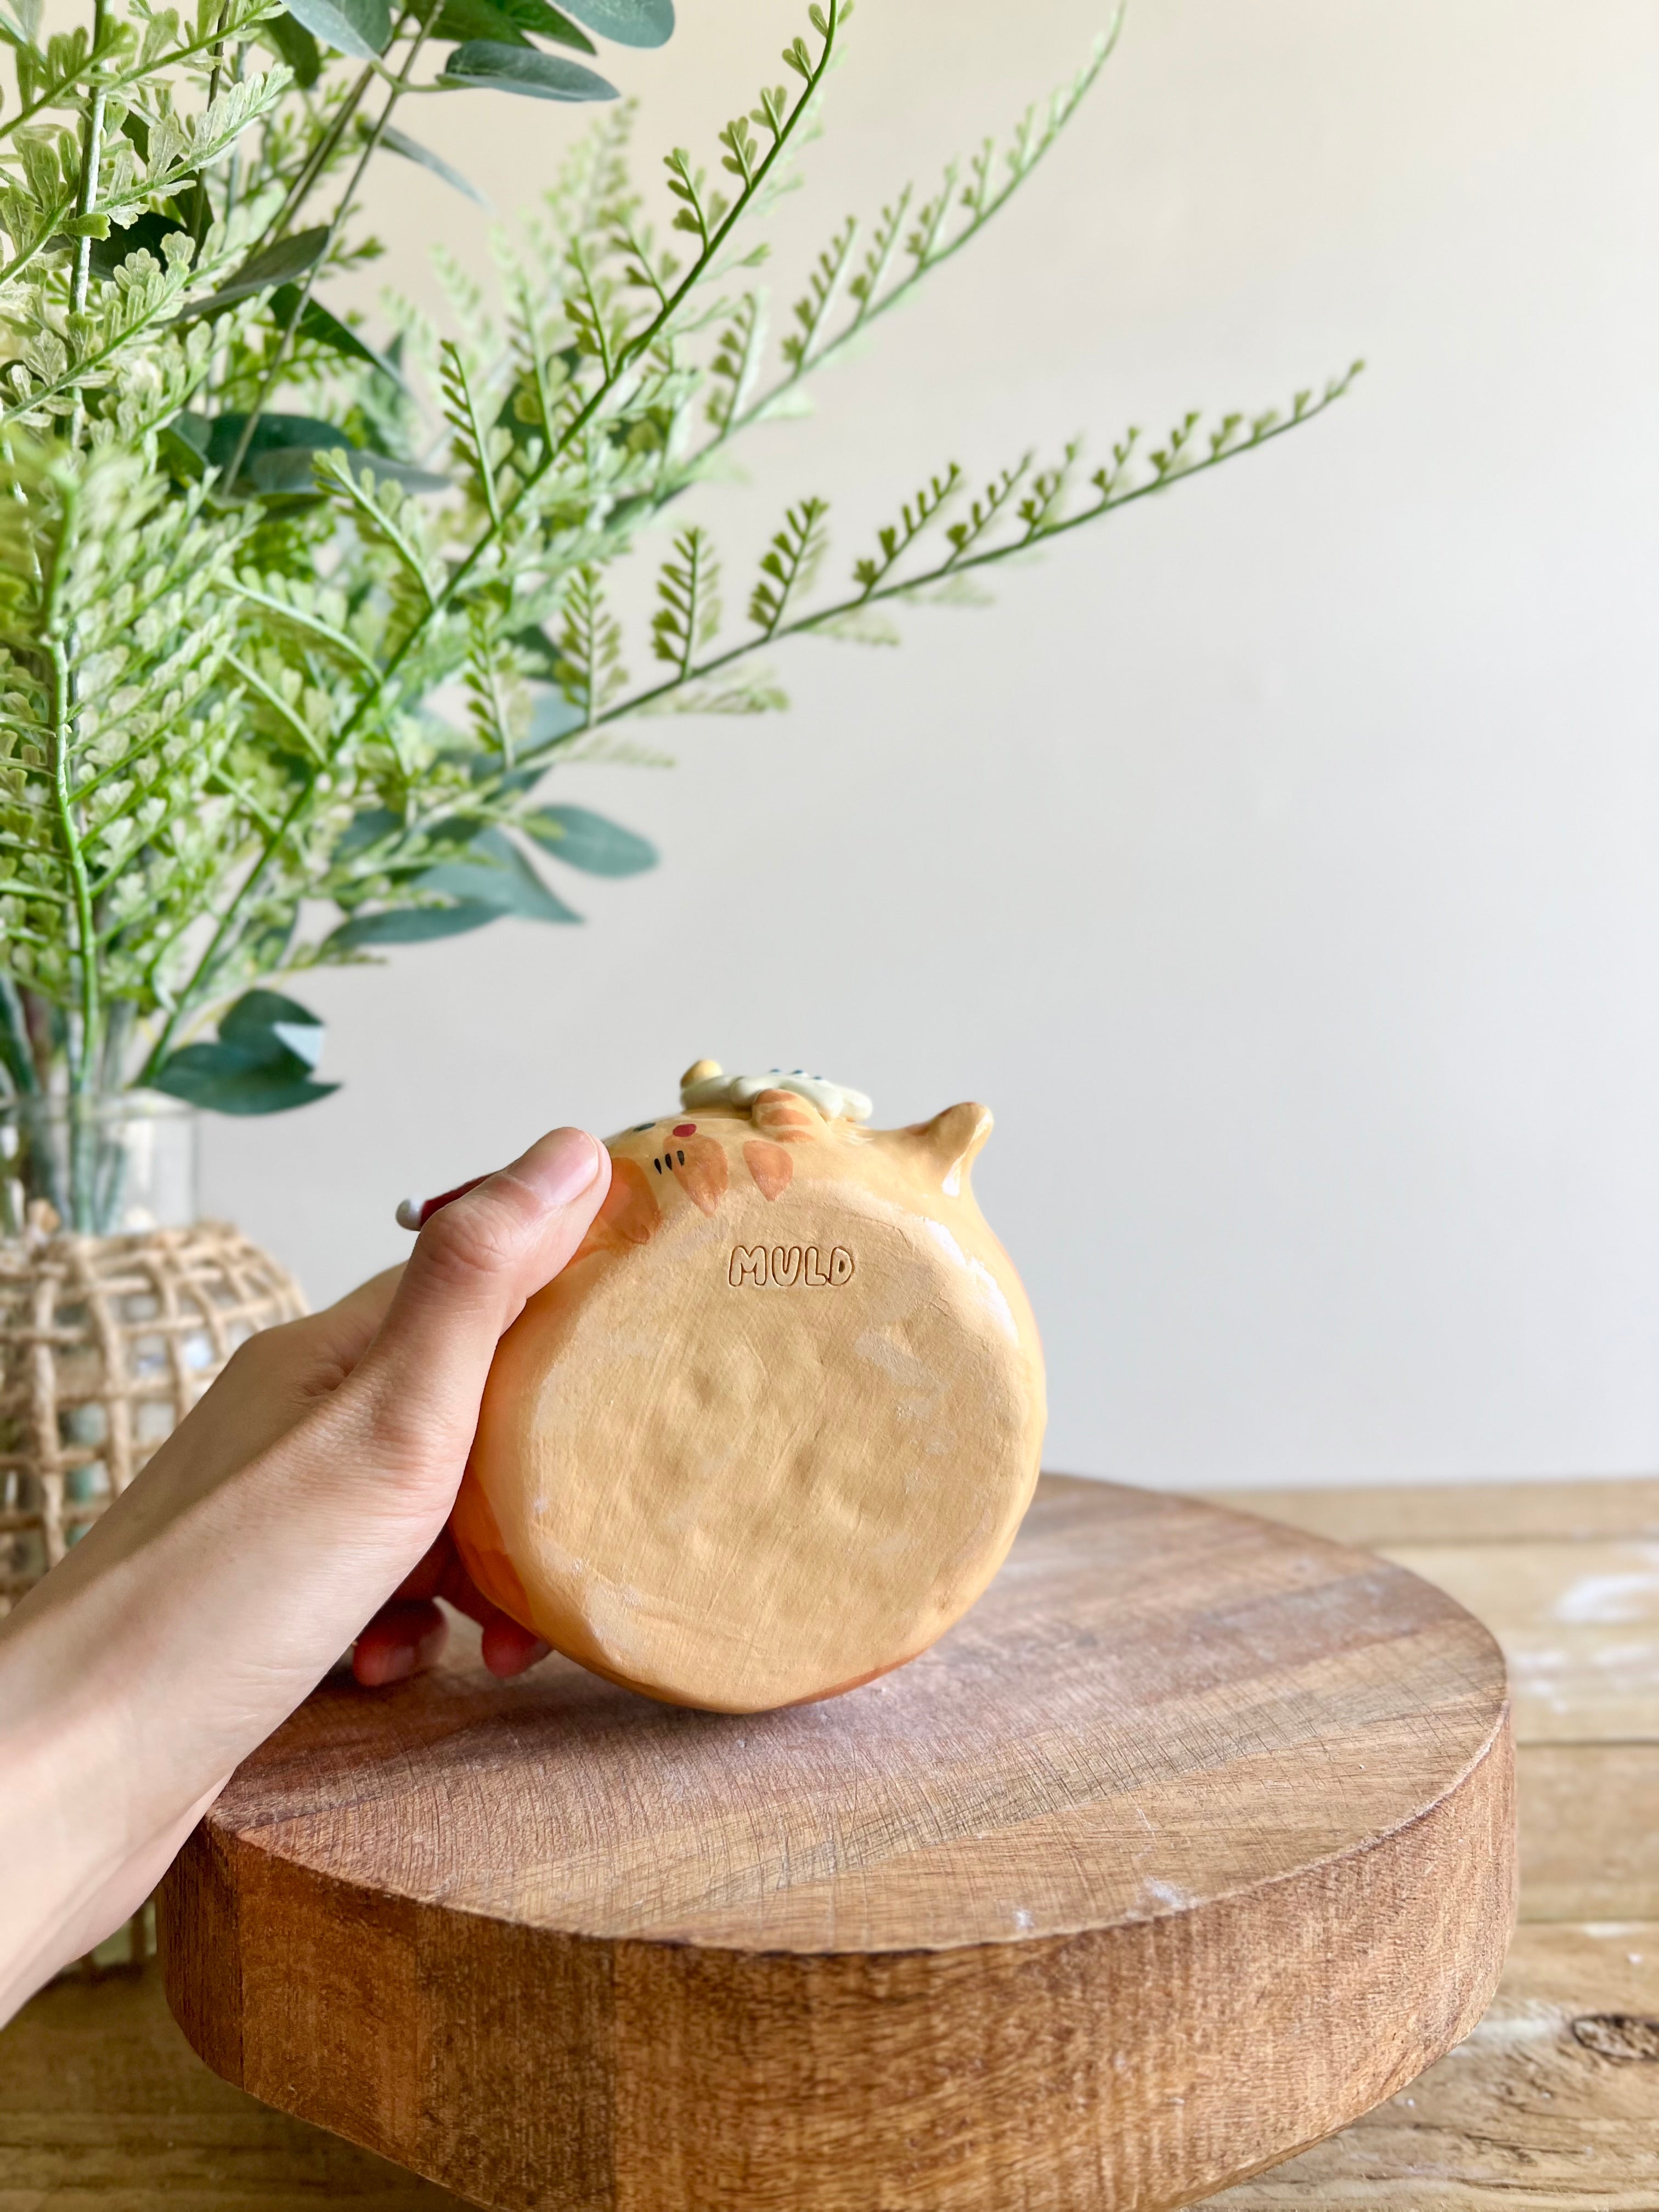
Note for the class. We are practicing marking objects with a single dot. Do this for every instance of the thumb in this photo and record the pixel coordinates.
(474, 1266)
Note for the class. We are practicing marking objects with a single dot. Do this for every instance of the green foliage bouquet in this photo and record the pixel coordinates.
(292, 625)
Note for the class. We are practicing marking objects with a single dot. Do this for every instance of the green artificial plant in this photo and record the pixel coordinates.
(248, 552)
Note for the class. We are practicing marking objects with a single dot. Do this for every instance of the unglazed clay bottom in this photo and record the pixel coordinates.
(772, 1429)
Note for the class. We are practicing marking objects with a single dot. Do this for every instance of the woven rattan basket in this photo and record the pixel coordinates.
(105, 1344)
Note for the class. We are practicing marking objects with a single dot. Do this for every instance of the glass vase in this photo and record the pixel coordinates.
(99, 1163)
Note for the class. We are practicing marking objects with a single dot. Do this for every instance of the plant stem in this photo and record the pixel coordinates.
(627, 355)
(317, 161)
(83, 1048)
(203, 973)
(203, 204)
(54, 92)
(15, 1041)
(869, 307)
(117, 1035)
(91, 153)
(84, 1040)
(279, 360)
(961, 565)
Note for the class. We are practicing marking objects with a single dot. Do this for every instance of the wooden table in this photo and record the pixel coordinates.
(1553, 2102)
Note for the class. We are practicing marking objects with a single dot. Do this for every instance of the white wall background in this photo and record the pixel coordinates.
(1280, 861)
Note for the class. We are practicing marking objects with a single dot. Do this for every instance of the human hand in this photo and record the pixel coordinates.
(409, 1632)
(294, 1367)
(307, 1495)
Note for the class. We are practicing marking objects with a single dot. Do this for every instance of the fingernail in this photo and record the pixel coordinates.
(562, 1166)
(415, 1212)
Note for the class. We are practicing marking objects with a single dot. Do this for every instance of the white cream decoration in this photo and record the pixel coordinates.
(707, 1083)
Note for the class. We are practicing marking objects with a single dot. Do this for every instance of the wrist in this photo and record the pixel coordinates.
(93, 1808)
(64, 1818)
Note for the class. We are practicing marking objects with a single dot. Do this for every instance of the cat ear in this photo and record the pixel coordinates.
(949, 1142)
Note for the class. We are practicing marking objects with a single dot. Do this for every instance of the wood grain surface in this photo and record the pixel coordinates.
(1191, 1843)
(1551, 2105)
(1579, 1624)
(105, 2108)
(1589, 1831)
(1478, 1514)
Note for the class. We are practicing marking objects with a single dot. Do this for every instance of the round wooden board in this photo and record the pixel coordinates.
(1192, 1841)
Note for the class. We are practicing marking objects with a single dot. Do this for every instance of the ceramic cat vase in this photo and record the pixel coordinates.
(772, 1429)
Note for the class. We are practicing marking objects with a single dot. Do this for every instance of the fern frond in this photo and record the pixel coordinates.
(496, 695)
(689, 617)
(789, 564)
(737, 362)
(817, 304)
(745, 692)
(385, 515)
(476, 451)
(896, 539)
(939, 229)
(591, 671)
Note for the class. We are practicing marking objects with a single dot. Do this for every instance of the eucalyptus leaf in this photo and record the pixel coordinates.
(545, 22)
(263, 1061)
(385, 468)
(588, 842)
(627, 22)
(374, 823)
(496, 873)
(323, 328)
(281, 453)
(487, 66)
(410, 925)
(486, 767)
(286, 257)
(183, 447)
(553, 716)
(361, 28)
(229, 1082)
(15, 1040)
(395, 142)
(280, 264)
(294, 43)
(366, 827)
(410, 474)
(266, 1022)
(476, 19)
(274, 432)
(543, 655)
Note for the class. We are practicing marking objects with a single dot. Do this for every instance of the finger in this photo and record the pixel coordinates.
(473, 1266)
(400, 1641)
(508, 1650)
(357, 1317)
(431, 1573)
(507, 1647)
